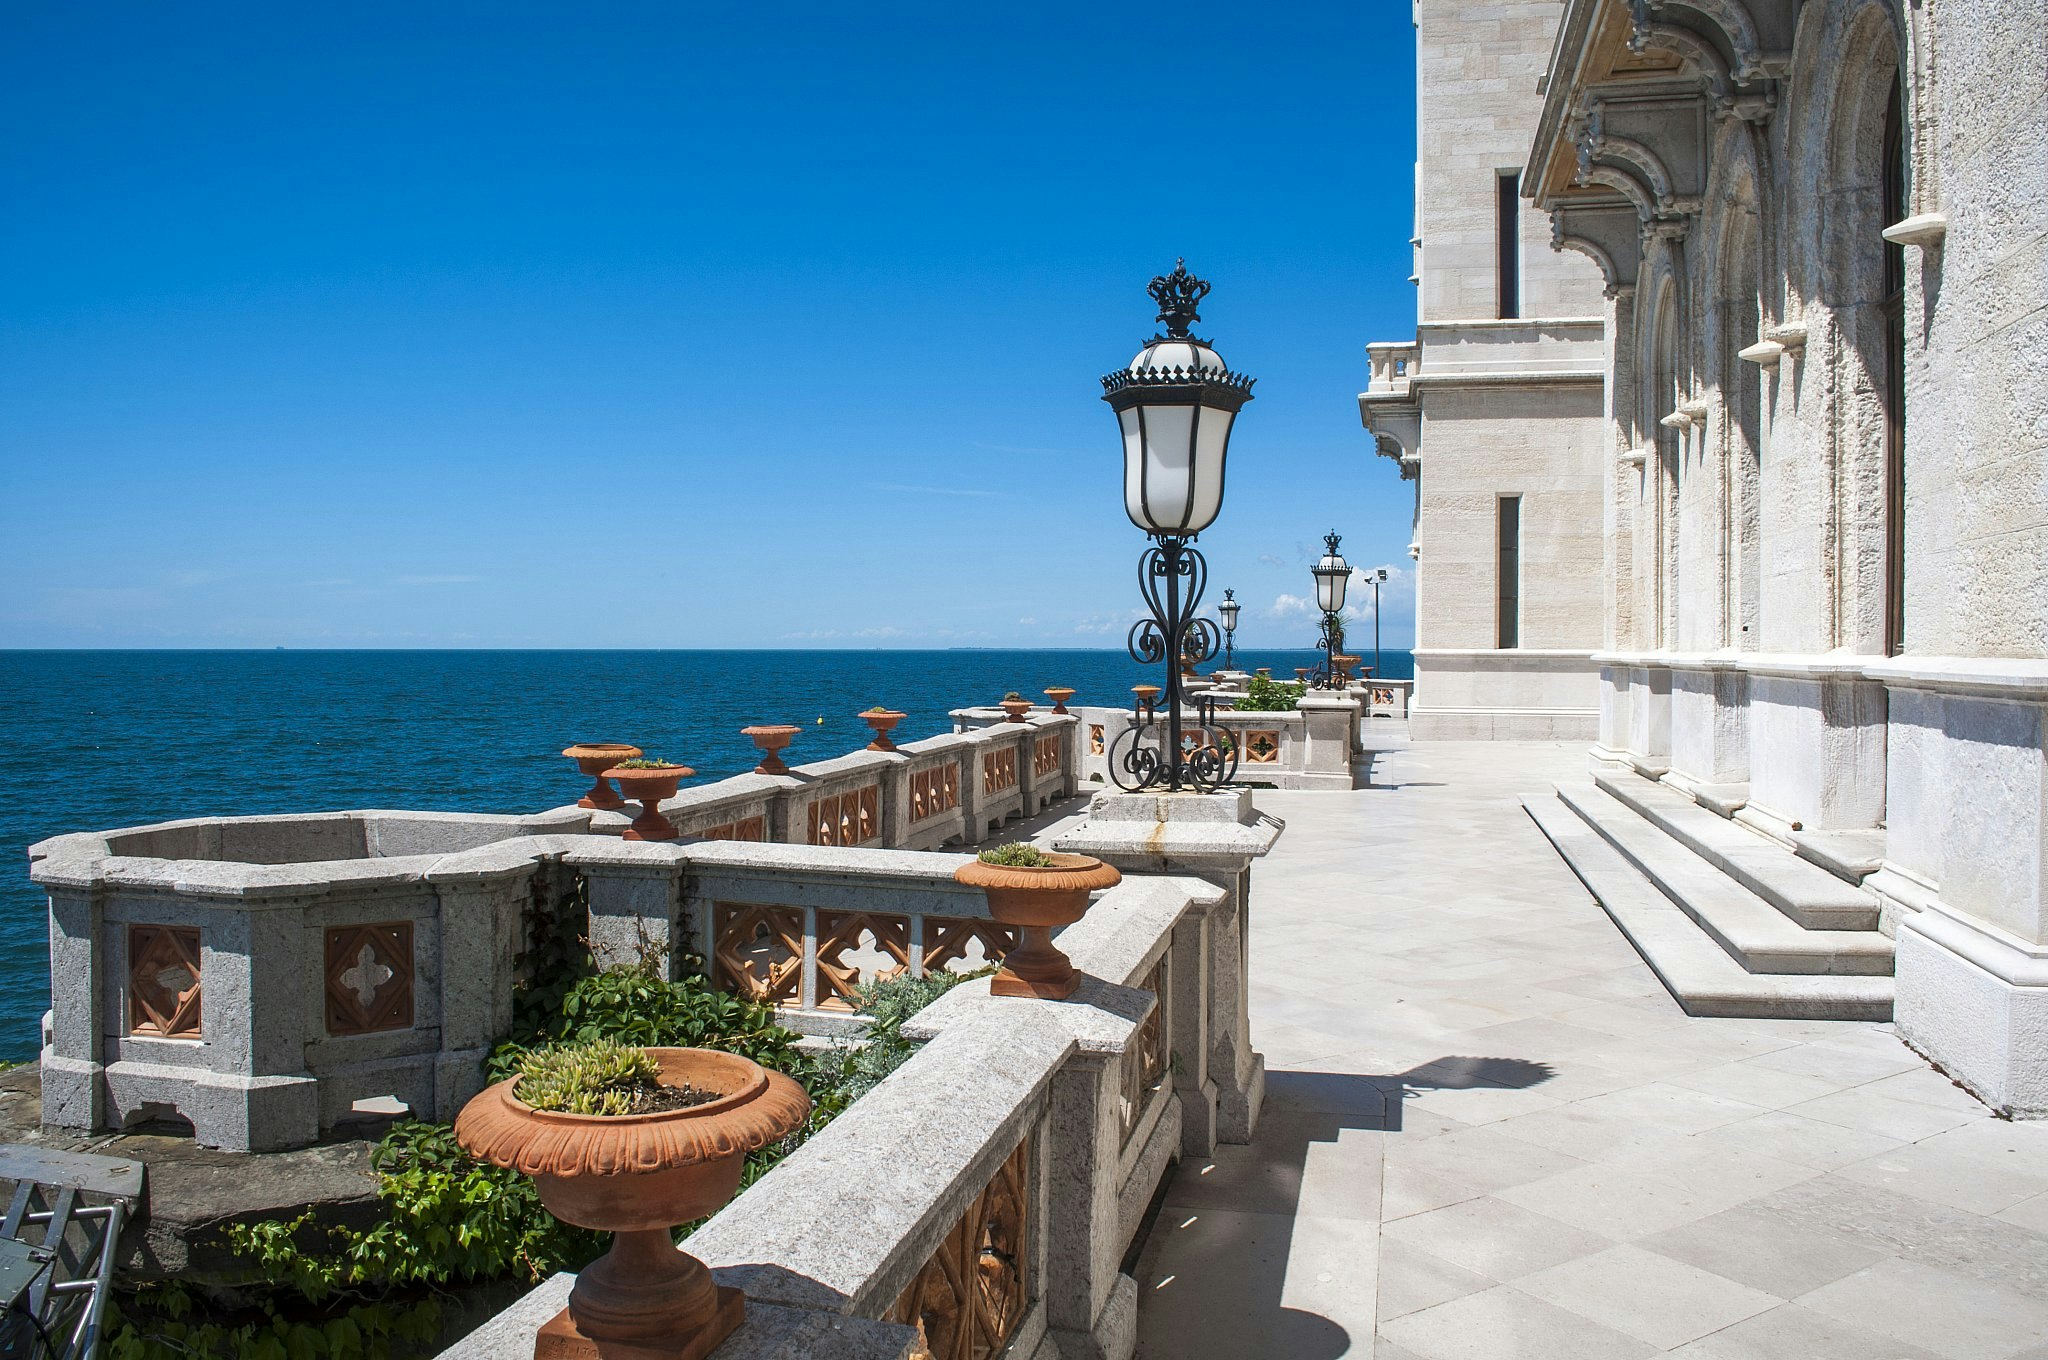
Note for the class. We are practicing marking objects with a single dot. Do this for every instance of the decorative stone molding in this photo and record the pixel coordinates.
(1925, 230)
(1635, 458)
(970, 1296)
(1789, 335)
(164, 981)
(1764, 353)
(369, 978)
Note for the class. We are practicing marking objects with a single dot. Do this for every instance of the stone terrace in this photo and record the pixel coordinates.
(1490, 1133)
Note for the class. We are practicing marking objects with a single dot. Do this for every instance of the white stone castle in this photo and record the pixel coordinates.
(1745, 480)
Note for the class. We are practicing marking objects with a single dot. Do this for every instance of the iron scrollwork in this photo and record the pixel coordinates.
(1157, 751)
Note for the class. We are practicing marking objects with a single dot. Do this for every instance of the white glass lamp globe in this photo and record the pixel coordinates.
(1175, 405)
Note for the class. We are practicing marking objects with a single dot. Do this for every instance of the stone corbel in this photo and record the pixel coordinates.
(1635, 458)
(1790, 336)
(1764, 354)
(1694, 411)
(1679, 420)
(1925, 230)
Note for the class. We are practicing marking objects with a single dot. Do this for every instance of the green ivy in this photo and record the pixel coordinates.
(1263, 695)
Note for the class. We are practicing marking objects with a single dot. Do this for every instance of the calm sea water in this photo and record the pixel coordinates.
(96, 740)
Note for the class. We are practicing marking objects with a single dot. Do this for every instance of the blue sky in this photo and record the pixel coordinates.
(674, 325)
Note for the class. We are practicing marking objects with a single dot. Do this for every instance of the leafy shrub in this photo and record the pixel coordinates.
(1262, 695)
(1017, 855)
(847, 1071)
(636, 1005)
(601, 1077)
(646, 763)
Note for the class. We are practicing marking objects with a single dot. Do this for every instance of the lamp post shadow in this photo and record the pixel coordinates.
(1272, 1248)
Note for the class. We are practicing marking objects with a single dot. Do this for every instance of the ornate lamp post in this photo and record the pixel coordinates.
(1228, 609)
(1175, 404)
(1332, 574)
(1378, 578)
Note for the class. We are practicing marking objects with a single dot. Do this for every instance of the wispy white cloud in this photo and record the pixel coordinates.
(909, 490)
(435, 580)
(1287, 606)
(1273, 559)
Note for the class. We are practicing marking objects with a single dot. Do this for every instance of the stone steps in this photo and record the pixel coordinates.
(1851, 856)
(1754, 932)
(1704, 977)
(1806, 892)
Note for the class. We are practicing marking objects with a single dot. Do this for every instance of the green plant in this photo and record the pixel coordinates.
(847, 1071)
(601, 1077)
(1013, 694)
(1262, 695)
(879, 708)
(1017, 855)
(636, 1005)
(646, 763)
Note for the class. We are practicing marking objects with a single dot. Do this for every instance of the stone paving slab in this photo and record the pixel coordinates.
(1491, 1133)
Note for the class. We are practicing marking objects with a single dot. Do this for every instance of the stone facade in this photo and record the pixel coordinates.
(1823, 231)
(1499, 396)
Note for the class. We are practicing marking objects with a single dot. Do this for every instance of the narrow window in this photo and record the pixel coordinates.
(1508, 241)
(1893, 307)
(1508, 551)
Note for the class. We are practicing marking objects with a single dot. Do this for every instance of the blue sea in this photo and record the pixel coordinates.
(96, 740)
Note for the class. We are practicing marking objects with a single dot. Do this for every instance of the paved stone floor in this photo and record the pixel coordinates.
(1490, 1133)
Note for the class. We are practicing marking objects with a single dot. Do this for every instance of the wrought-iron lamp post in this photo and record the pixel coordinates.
(1378, 579)
(1228, 610)
(1332, 574)
(1175, 404)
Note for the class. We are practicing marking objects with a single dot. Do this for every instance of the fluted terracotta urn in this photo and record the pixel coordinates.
(648, 785)
(883, 720)
(1016, 708)
(1344, 661)
(637, 1177)
(771, 738)
(1148, 695)
(1035, 900)
(594, 758)
(1059, 694)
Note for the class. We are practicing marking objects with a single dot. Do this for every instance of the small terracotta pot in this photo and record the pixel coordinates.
(1036, 900)
(637, 1176)
(771, 739)
(594, 758)
(1016, 708)
(884, 721)
(1059, 694)
(1148, 695)
(648, 788)
(1301, 675)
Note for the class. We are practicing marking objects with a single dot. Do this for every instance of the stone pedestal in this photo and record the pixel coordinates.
(1213, 837)
(1329, 723)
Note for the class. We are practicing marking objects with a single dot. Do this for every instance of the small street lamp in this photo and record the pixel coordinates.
(1228, 609)
(1332, 575)
(1175, 405)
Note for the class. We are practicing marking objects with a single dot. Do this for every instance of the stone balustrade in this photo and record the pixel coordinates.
(991, 1186)
(1394, 365)
(1308, 748)
(261, 975)
(264, 977)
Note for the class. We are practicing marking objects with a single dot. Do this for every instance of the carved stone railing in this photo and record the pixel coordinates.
(262, 998)
(983, 1196)
(1394, 365)
(1309, 748)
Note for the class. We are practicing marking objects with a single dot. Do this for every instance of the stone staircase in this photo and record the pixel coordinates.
(1732, 923)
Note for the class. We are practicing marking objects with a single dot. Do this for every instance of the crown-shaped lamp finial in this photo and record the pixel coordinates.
(1178, 295)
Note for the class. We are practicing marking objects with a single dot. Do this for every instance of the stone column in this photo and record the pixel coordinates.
(1091, 1309)
(634, 888)
(480, 924)
(1213, 837)
(73, 1064)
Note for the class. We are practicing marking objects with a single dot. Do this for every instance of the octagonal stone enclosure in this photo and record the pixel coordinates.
(386, 937)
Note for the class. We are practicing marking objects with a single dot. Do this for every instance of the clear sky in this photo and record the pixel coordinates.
(675, 325)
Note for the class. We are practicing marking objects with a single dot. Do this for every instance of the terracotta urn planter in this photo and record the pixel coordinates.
(883, 720)
(1016, 708)
(1059, 694)
(771, 738)
(637, 1176)
(1035, 900)
(594, 758)
(1344, 661)
(1148, 696)
(648, 787)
